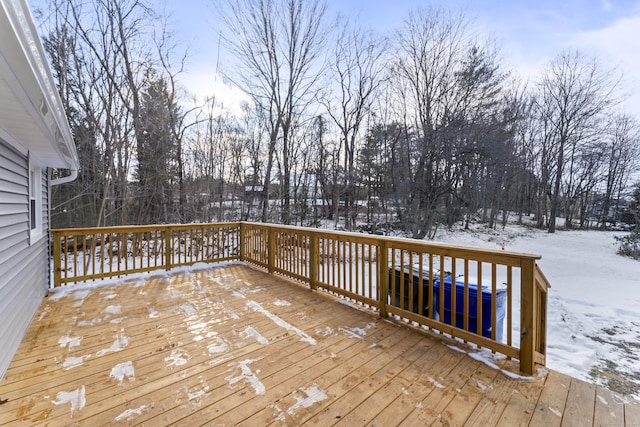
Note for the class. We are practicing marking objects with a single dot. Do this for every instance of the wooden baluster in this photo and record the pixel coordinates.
(57, 259)
(383, 277)
(313, 261)
(168, 249)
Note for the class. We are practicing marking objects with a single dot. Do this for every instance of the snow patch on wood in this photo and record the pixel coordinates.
(230, 314)
(120, 343)
(555, 412)
(220, 360)
(325, 332)
(355, 332)
(220, 346)
(79, 296)
(281, 303)
(91, 322)
(305, 398)
(195, 394)
(69, 341)
(486, 357)
(280, 322)
(248, 376)
(76, 398)
(113, 309)
(250, 332)
(188, 309)
(129, 414)
(108, 295)
(313, 394)
(122, 371)
(358, 333)
(199, 329)
(177, 358)
(435, 383)
(72, 362)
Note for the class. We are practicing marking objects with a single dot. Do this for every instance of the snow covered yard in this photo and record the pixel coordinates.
(594, 302)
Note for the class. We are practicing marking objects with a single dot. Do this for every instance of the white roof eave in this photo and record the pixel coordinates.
(24, 69)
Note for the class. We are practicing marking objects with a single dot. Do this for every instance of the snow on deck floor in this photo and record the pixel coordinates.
(201, 316)
(232, 344)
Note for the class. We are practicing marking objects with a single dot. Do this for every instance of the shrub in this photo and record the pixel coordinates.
(630, 244)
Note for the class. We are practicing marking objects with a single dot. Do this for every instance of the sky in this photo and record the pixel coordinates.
(528, 34)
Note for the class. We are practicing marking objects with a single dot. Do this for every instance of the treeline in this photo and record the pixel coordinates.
(421, 128)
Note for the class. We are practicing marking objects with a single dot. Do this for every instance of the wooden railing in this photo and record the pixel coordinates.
(493, 299)
(83, 254)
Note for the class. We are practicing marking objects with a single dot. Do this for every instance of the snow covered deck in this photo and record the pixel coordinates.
(235, 346)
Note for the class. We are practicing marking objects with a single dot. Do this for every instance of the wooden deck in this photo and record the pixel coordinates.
(236, 346)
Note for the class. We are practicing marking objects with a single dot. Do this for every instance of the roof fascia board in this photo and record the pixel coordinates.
(44, 103)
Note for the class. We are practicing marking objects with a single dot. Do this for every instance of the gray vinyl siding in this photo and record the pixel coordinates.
(23, 264)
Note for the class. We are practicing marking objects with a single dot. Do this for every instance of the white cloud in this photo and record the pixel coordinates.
(204, 82)
(617, 46)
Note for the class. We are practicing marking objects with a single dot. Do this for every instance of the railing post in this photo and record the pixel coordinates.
(527, 312)
(168, 243)
(383, 277)
(241, 242)
(57, 258)
(313, 261)
(271, 249)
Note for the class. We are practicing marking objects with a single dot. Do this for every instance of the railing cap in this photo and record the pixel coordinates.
(121, 228)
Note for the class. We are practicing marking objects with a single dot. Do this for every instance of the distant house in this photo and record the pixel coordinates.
(34, 138)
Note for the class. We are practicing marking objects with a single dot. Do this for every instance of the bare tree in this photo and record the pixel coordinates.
(479, 126)
(623, 149)
(431, 47)
(277, 44)
(574, 93)
(357, 71)
(108, 61)
(180, 119)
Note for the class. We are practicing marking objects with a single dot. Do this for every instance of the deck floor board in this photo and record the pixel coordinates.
(232, 345)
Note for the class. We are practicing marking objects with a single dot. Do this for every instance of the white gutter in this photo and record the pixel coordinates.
(65, 179)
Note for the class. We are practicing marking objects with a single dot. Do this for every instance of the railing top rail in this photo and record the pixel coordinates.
(123, 228)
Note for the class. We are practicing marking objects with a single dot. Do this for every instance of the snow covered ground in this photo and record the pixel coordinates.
(594, 302)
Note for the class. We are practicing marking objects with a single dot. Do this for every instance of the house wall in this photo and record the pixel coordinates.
(24, 271)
